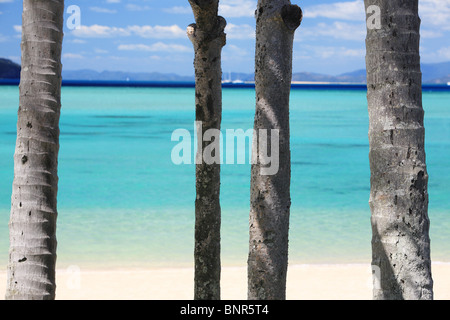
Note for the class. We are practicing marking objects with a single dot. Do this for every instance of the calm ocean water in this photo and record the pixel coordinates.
(122, 202)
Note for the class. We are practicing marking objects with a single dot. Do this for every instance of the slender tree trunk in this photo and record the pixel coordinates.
(270, 203)
(399, 179)
(32, 255)
(208, 38)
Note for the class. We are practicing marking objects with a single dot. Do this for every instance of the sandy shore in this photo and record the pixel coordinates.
(305, 282)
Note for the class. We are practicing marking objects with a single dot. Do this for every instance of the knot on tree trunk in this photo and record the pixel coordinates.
(198, 35)
(206, 15)
(292, 16)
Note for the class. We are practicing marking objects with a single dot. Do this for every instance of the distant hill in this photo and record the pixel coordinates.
(358, 76)
(442, 80)
(312, 77)
(122, 76)
(432, 73)
(9, 69)
(435, 73)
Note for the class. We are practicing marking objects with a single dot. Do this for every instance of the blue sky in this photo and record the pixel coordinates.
(149, 35)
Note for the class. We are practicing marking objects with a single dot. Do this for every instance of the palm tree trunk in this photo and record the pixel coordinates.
(270, 202)
(32, 255)
(399, 179)
(208, 39)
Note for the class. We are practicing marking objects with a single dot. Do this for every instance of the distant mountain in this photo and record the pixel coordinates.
(233, 76)
(122, 76)
(312, 77)
(358, 76)
(442, 80)
(9, 69)
(436, 72)
(300, 76)
(433, 73)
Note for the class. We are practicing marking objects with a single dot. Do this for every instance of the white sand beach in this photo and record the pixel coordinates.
(305, 282)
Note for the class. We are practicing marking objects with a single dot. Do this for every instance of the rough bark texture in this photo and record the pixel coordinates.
(399, 197)
(270, 203)
(208, 39)
(32, 255)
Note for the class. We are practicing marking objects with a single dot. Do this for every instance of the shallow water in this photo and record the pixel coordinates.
(122, 201)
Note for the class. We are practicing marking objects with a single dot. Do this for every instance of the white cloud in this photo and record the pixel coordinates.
(18, 28)
(155, 32)
(97, 31)
(237, 8)
(240, 32)
(135, 7)
(353, 10)
(158, 32)
(327, 52)
(435, 55)
(435, 13)
(72, 56)
(430, 34)
(357, 53)
(78, 41)
(112, 1)
(444, 53)
(156, 47)
(4, 1)
(100, 51)
(235, 51)
(102, 10)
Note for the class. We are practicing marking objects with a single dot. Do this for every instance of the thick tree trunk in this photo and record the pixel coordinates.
(270, 203)
(399, 179)
(208, 39)
(32, 256)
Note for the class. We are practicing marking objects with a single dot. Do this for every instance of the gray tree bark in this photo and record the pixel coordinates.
(276, 22)
(399, 179)
(208, 38)
(32, 255)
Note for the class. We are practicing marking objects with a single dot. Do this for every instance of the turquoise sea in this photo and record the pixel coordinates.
(123, 202)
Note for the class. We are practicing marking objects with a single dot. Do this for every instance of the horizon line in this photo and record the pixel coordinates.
(225, 84)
